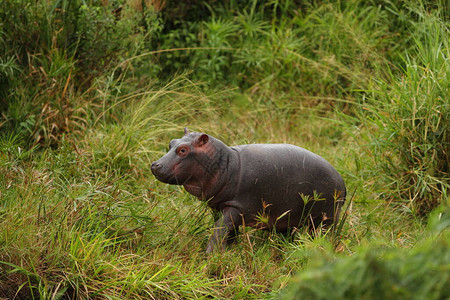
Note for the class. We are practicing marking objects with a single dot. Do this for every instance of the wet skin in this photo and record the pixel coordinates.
(265, 186)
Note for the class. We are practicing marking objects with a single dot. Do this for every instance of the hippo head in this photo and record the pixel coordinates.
(191, 161)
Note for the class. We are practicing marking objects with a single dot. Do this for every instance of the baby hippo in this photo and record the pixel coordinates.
(268, 186)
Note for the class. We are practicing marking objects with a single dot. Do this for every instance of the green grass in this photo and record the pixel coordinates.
(89, 98)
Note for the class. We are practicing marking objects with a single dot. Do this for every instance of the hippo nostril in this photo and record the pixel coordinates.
(155, 165)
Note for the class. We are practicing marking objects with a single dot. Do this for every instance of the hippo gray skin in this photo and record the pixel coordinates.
(268, 186)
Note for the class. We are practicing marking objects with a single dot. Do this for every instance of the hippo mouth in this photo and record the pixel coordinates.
(170, 179)
(167, 179)
(161, 178)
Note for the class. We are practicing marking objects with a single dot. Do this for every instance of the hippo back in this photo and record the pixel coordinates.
(289, 181)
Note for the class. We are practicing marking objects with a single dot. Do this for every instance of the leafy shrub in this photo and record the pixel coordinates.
(94, 35)
(57, 47)
(418, 273)
(283, 46)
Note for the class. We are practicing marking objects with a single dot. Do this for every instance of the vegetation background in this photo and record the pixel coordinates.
(92, 91)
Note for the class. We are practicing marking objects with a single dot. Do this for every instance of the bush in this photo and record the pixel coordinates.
(318, 48)
(410, 145)
(418, 273)
(57, 48)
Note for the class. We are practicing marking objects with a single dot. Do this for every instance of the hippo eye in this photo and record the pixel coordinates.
(182, 151)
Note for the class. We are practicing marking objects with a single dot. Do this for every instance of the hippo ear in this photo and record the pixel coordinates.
(186, 131)
(201, 140)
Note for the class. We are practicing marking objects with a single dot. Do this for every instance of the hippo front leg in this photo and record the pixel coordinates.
(225, 229)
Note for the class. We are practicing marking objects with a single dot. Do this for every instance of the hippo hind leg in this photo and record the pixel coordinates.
(322, 222)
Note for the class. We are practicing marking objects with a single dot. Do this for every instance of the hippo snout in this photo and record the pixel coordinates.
(155, 166)
(163, 172)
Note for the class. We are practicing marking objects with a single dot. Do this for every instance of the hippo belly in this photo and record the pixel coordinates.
(286, 185)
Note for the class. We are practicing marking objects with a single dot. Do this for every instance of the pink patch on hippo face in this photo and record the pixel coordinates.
(182, 150)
